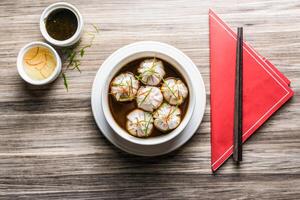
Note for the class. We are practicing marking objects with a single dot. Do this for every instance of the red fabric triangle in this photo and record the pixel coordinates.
(265, 89)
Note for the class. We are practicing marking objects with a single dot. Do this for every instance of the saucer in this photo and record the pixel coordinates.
(148, 150)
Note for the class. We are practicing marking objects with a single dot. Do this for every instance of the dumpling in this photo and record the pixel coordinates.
(149, 98)
(174, 91)
(124, 87)
(139, 123)
(151, 71)
(167, 117)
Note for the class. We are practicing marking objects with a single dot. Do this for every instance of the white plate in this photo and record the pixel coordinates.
(149, 150)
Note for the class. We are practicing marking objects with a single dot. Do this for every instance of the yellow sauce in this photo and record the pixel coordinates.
(39, 63)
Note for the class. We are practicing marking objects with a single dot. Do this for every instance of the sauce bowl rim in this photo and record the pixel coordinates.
(24, 75)
(56, 6)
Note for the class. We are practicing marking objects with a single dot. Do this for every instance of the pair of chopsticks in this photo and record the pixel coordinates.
(238, 99)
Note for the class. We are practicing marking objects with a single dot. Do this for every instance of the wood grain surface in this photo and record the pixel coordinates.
(51, 148)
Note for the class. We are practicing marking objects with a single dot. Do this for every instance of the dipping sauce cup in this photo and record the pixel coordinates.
(38, 63)
(63, 15)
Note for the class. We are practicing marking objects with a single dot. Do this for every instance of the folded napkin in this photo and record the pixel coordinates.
(265, 89)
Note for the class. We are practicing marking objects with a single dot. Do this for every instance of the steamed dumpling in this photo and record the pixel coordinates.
(149, 98)
(174, 91)
(124, 87)
(139, 123)
(167, 117)
(151, 71)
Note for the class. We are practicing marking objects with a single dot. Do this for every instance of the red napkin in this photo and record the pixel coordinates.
(265, 89)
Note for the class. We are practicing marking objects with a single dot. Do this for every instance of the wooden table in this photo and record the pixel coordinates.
(51, 148)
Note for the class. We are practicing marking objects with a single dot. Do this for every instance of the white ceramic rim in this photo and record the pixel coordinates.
(148, 150)
(61, 43)
(24, 75)
(132, 52)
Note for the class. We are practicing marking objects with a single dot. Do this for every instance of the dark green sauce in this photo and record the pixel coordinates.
(61, 24)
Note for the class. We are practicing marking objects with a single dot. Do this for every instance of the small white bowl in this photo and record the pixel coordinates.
(141, 50)
(24, 75)
(61, 43)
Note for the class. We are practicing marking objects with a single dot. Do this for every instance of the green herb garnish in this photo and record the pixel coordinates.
(144, 99)
(147, 125)
(65, 81)
(173, 111)
(96, 28)
(173, 93)
(149, 72)
(72, 55)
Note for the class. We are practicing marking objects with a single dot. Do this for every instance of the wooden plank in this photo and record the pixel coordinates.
(50, 147)
(155, 186)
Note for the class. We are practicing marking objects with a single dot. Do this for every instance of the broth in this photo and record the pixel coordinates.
(120, 110)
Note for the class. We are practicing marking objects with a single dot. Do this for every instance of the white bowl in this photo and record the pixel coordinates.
(61, 43)
(24, 75)
(142, 50)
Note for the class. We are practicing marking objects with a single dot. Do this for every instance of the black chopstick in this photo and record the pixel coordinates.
(238, 99)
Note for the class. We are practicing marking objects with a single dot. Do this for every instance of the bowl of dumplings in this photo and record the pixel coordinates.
(148, 98)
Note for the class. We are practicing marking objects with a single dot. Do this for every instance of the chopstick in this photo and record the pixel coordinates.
(238, 99)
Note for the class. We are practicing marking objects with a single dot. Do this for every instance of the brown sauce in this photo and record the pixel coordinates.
(61, 24)
(120, 110)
